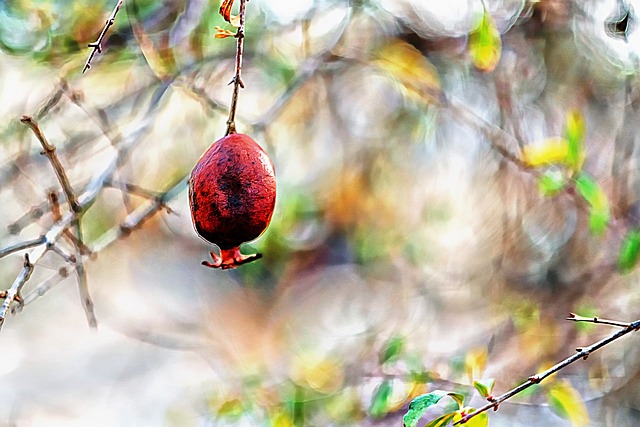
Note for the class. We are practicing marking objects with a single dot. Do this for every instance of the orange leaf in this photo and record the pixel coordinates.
(225, 9)
(221, 33)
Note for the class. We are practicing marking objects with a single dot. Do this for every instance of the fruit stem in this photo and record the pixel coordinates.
(237, 78)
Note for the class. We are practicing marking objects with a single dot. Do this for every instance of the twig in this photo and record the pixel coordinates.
(45, 286)
(237, 78)
(57, 216)
(13, 293)
(582, 353)
(83, 287)
(140, 192)
(50, 152)
(131, 222)
(71, 259)
(27, 219)
(97, 45)
(576, 318)
(27, 244)
(70, 218)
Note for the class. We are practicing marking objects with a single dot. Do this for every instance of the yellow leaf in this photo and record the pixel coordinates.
(281, 419)
(411, 69)
(574, 132)
(485, 44)
(480, 420)
(475, 363)
(567, 403)
(550, 151)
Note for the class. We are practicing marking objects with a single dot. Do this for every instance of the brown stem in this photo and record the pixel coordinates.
(50, 152)
(237, 78)
(97, 45)
(582, 353)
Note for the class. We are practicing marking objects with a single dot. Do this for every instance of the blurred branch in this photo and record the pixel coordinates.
(27, 244)
(83, 287)
(97, 45)
(582, 353)
(237, 78)
(498, 138)
(70, 219)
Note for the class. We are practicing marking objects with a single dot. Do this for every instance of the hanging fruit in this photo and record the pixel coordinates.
(232, 194)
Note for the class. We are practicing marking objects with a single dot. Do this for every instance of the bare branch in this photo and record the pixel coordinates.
(97, 45)
(13, 293)
(27, 244)
(576, 318)
(50, 152)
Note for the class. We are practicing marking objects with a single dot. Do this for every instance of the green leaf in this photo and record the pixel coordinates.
(392, 349)
(380, 401)
(231, 408)
(420, 404)
(551, 182)
(567, 403)
(629, 251)
(484, 386)
(485, 45)
(442, 420)
(574, 132)
(592, 193)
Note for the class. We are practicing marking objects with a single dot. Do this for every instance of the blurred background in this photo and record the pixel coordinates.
(409, 251)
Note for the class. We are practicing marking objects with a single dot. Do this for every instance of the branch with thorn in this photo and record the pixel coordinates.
(581, 354)
(237, 82)
(97, 45)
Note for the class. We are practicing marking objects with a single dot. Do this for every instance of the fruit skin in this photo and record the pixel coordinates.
(232, 194)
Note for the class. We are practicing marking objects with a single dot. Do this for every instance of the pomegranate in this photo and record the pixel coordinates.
(232, 193)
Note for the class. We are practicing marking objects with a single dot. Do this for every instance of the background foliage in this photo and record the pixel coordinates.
(427, 231)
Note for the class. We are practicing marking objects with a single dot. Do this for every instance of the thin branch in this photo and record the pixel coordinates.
(44, 287)
(71, 259)
(27, 219)
(139, 216)
(13, 293)
(50, 152)
(576, 318)
(57, 216)
(83, 286)
(131, 222)
(27, 244)
(237, 78)
(582, 353)
(140, 192)
(97, 45)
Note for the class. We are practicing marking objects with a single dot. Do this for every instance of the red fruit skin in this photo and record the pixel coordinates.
(232, 194)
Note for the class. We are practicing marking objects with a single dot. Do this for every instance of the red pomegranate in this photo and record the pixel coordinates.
(232, 193)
